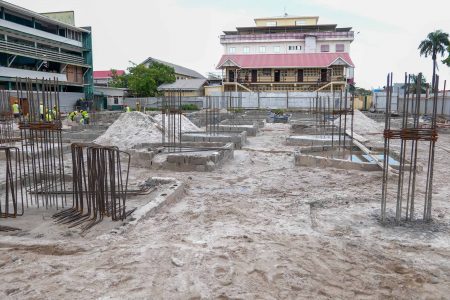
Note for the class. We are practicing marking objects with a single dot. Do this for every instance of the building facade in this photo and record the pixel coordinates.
(104, 78)
(287, 54)
(34, 45)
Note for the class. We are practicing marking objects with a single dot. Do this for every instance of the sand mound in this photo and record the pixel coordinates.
(186, 124)
(131, 129)
(362, 124)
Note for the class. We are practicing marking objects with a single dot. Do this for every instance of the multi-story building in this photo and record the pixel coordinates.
(287, 54)
(44, 46)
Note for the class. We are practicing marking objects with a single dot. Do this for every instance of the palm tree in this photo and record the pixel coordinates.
(435, 43)
(447, 60)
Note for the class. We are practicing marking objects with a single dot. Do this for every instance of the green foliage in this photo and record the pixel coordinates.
(236, 110)
(413, 85)
(143, 81)
(152, 109)
(435, 43)
(189, 107)
(447, 60)
(119, 81)
(278, 111)
(359, 91)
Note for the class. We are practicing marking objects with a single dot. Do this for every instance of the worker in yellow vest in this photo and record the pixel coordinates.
(48, 115)
(72, 115)
(16, 110)
(127, 108)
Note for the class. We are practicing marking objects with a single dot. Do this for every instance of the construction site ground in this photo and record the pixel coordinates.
(258, 227)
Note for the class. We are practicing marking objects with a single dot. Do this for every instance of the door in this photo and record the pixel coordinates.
(277, 76)
(324, 75)
(230, 75)
(300, 75)
(254, 75)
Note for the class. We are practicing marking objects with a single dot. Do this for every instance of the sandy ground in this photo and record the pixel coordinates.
(259, 227)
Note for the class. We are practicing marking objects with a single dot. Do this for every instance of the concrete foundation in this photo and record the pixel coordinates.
(302, 128)
(251, 130)
(237, 138)
(201, 157)
(311, 157)
(317, 140)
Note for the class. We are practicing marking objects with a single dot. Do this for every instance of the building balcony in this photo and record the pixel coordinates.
(225, 39)
(41, 54)
(22, 73)
(288, 80)
(38, 33)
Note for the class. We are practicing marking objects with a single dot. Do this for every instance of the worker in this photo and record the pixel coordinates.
(55, 112)
(72, 115)
(84, 117)
(41, 110)
(138, 106)
(127, 108)
(16, 110)
(48, 115)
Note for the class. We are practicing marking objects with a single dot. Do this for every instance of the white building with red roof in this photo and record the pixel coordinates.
(287, 54)
(103, 78)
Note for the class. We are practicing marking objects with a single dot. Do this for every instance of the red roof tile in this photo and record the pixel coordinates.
(300, 60)
(106, 74)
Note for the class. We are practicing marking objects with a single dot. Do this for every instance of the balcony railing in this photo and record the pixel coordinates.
(42, 54)
(284, 36)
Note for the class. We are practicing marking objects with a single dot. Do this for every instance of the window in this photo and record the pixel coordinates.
(276, 49)
(324, 48)
(295, 48)
(340, 47)
(262, 49)
(246, 50)
(267, 72)
(300, 22)
(231, 50)
(271, 23)
(116, 100)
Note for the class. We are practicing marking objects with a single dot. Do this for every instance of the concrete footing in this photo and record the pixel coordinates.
(251, 130)
(318, 140)
(311, 157)
(189, 156)
(237, 138)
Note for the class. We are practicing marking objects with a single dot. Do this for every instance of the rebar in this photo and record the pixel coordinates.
(100, 185)
(11, 193)
(41, 141)
(409, 136)
(172, 120)
(7, 134)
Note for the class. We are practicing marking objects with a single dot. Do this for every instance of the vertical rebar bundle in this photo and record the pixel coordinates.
(6, 119)
(327, 109)
(40, 132)
(409, 135)
(100, 183)
(212, 114)
(11, 193)
(171, 121)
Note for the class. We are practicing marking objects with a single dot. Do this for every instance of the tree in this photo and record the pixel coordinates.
(447, 60)
(143, 81)
(118, 81)
(413, 84)
(435, 43)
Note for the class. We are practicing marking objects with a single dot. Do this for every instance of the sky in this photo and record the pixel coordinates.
(186, 32)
